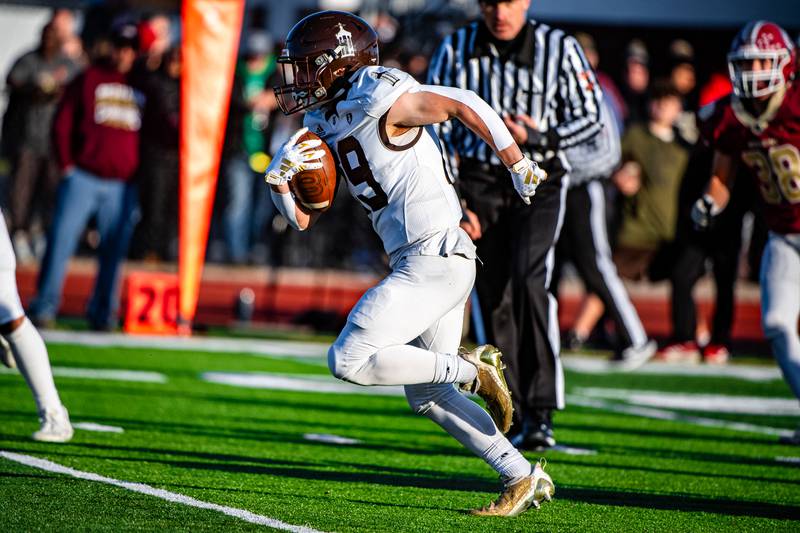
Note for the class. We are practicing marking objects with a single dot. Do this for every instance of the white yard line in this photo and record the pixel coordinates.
(141, 488)
(713, 403)
(141, 376)
(663, 414)
(327, 384)
(594, 365)
(91, 426)
(570, 450)
(192, 344)
(329, 438)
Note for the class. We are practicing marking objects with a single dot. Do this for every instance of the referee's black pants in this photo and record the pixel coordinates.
(517, 251)
(584, 241)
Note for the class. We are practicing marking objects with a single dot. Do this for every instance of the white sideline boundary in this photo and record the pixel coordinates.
(317, 350)
(174, 497)
(106, 374)
(594, 365)
(664, 414)
(257, 347)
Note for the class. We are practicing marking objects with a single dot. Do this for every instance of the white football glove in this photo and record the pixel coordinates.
(293, 158)
(703, 210)
(526, 176)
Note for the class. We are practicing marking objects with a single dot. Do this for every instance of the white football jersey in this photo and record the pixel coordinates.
(401, 181)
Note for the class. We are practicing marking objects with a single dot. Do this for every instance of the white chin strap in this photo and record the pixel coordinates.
(501, 137)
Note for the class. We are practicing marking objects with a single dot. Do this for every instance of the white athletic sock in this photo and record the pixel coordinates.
(408, 365)
(471, 425)
(30, 354)
(507, 461)
(453, 369)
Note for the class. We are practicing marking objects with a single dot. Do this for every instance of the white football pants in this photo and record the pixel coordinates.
(780, 303)
(396, 333)
(421, 303)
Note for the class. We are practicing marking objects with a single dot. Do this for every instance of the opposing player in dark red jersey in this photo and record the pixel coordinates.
(759, 125)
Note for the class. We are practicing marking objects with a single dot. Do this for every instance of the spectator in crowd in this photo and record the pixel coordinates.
(611, 95)
(96, 133)
(636, 81)
(36, 81)
(21, 346)
(654, 160)
(247, 209)
(155, 41)
(584, 241)
(63, 22)
(682, 77)
(516, 242)
(158, 173)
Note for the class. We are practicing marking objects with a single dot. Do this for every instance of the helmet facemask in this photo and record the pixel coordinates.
(751, 83)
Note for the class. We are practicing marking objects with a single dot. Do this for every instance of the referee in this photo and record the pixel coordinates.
(538, 78)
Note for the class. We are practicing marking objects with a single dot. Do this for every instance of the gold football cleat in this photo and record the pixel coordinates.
(515, 499)
(490, 384)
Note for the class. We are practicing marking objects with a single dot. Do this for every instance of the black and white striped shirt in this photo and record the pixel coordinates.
(542, 73)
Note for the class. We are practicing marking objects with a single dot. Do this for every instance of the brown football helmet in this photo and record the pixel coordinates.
(321, 51)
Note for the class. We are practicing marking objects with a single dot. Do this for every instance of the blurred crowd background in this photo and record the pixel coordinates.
(657, 67)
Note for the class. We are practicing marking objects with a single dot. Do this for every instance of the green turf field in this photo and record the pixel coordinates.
(249, 449)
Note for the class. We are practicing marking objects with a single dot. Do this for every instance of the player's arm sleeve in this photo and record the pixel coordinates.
(480, 117)
(441, 64)
(579, 95)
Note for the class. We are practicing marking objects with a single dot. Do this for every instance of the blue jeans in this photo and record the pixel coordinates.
(248, 208)
(115, 205)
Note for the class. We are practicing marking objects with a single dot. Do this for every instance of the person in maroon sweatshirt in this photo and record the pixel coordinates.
(96, 137)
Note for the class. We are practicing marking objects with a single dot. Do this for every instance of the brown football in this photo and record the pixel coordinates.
(314, 189)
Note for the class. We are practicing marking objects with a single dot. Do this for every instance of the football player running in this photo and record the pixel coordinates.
(21, 346)
(405, 330)
(759, 125)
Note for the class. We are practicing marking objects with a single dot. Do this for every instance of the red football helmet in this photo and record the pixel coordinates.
(321, 50)
(761, 60)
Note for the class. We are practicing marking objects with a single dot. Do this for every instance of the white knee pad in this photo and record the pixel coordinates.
(10, 305)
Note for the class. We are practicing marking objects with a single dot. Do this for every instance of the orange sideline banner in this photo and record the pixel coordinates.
(210, 45)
